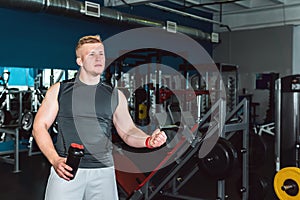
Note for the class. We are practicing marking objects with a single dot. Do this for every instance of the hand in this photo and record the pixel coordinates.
(62, 169)
(157, 138)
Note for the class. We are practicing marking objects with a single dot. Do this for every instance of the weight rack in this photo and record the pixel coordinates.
(229, 130)
(147, 189)
(13, 130)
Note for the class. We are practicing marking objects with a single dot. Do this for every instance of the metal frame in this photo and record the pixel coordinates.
(13, 130)
(228, 132)
(144, 191)
(284, 132)
(277, 124)
(14, 161)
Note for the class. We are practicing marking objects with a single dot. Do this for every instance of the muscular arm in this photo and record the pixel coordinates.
(42, 122)
(127, 130)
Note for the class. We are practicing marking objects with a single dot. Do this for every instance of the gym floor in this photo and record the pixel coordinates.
(31, 181)
(27, 184)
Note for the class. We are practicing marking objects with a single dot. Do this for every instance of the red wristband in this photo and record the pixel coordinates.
(147, 143)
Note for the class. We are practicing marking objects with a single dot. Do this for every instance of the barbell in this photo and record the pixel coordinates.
(286, 183)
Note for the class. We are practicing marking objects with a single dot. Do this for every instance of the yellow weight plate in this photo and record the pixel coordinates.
(288, 177)
(142, 111)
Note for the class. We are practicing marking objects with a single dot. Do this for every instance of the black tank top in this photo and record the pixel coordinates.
(85, 117)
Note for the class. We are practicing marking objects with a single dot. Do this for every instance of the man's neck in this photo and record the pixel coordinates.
(89, 80)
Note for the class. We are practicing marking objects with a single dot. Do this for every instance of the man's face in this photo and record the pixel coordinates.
(92, 58)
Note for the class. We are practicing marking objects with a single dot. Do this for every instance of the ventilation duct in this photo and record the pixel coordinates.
(75, 8)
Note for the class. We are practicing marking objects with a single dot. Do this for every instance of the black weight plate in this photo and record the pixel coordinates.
(220, 161)
(258, 186)
(27, 121)
(258, 151)
(5, 117)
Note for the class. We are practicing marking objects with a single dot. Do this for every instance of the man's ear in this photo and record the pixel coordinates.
(79, 61)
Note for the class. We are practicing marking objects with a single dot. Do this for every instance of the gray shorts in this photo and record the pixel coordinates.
(88, 184)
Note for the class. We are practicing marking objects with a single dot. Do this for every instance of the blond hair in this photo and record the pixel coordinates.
(89, 39)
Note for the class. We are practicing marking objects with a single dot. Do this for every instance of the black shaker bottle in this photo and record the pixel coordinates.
(75, 153)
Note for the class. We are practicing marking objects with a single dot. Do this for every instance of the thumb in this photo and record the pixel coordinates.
(156, 131)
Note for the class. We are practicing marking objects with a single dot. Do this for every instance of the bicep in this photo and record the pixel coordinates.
(122, 119)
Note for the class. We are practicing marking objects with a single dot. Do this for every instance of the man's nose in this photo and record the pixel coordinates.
(99, 57)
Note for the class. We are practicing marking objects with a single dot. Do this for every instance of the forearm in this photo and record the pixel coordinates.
(135, 138)
(132, 135)
(45, 143)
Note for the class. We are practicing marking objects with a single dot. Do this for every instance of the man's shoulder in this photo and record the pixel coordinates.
(72, 80)
(107, 86)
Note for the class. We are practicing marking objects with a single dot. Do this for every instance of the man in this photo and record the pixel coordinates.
(85, 110)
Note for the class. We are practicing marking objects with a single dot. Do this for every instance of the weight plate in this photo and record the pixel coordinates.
(2, 117)
(142, 111)
(27, 121)
(258, 186)
(257, 151)
(286, 183)
(5, 117)
(220, 161)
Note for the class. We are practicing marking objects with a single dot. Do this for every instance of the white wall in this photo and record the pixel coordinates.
(296, 50)
(257, 51)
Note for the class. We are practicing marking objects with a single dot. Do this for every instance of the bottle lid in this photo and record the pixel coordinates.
(78, 146)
